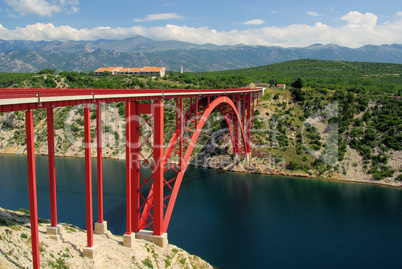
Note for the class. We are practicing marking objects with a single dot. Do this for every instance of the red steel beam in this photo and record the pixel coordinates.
(52, 168)
(128, 168)
(88, 174)
(181, 135)
(177, 113)
(248, 123)
(196, 114)
(243, 109)
(33, 205)
(252, 100)
(135, 171)
(236, 123)
(158, 168)
(99, 160)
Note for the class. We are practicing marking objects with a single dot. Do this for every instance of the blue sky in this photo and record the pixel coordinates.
(287, 23)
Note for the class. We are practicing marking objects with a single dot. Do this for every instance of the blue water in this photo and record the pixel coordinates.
(238, 220)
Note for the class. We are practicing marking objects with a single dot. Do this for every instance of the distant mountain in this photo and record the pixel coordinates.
(134, 44)
(32, 56)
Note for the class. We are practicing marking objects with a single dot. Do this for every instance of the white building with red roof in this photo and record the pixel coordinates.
(147, 70)
(112, 70)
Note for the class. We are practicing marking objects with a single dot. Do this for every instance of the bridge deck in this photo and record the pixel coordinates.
(27, 99)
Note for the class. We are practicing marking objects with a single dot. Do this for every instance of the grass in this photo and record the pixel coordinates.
(42, 247)
(147, 262)
(167, 261)
(23, 210)
(59, 264)
(70, 229)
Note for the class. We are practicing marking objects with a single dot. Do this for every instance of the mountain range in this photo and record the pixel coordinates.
(32, 56)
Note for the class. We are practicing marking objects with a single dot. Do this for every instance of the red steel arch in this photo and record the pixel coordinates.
(194, 121)
(220, 101)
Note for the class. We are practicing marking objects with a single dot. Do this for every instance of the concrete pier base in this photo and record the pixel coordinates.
(101, 228)
(54, 232)
(128, 240)
(161, 241)
(89, 252)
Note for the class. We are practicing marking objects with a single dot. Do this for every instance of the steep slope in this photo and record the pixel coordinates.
(15, 246)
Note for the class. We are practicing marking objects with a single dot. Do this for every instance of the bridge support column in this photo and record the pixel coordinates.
(33, 205)
(135, 166)
(181, 135)
(157, 110)
(101, 224)
(128, 238)
(158, 235)
(243, 110)
(252, 100)
(248, 125)
(88, 251)
(179, 127)
(53, 231)
(237, 124)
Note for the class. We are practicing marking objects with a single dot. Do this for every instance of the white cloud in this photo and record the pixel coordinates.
(355, 18)
(399, 14)
(43, 7)
(361, 29)
(313, 14)
(254, 22)
(158, 17)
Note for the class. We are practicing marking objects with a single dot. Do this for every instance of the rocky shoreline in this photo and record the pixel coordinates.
(225, 163)
(351, 169)
(15, 248)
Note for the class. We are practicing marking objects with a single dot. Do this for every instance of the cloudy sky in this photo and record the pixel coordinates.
(288, 23)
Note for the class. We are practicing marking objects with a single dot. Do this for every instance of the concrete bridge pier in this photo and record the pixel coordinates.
(54, 232)
(159, 240)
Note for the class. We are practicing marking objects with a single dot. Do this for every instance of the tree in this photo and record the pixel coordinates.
(298, 94)
(293, 165)
(50, 83)
(299, 83)
(47, 71)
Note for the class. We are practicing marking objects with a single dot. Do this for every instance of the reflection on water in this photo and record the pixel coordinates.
(238, 220)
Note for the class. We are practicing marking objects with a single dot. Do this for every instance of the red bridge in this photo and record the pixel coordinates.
(150, 197)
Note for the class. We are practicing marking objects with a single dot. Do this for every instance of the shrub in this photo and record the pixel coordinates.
(292, 165)
(47, 71)
(147, 262)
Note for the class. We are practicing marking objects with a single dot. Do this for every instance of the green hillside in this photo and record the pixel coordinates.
(335, 119)
(319, 74)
